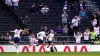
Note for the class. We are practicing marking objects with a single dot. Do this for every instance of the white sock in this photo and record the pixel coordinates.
(17, 50)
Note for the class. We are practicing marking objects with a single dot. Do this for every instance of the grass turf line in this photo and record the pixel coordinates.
(51, 54)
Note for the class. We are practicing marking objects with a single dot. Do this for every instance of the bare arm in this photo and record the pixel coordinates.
(74, 34)
(11, 31)
(81, 35)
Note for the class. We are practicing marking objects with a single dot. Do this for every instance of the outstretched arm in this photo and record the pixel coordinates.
(11, 31)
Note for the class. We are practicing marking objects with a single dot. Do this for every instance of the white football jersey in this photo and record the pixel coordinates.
(17, 33)
(41, 35)
(33, 40)
(50, 37)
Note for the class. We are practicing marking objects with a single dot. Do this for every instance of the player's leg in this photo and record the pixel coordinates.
(39, 42)
(53, 48)
(17, 41)
(17, 49)
(43, 43)
(30, 44)
(49, 43)
(36, 41)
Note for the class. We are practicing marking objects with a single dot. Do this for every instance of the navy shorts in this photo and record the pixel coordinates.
(40, 41)
(16, 40)
(49, 42)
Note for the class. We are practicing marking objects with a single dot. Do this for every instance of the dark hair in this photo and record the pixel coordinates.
(76, 32)
(96, 25)
(42, 29)
(17, 27)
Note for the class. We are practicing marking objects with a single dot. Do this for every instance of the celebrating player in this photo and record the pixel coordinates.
(17, 33)
(50, 38)
(40, 37)
(33, 40)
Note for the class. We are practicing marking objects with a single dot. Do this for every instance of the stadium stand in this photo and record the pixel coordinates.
(22, 16)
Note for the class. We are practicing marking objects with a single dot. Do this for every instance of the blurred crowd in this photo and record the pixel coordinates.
(91, 34)
(72, 31)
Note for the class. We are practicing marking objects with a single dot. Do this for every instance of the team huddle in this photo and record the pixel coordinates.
(38, 41)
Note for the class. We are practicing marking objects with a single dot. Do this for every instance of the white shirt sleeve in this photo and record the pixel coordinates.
(62, 15)
(73, 21)
(44, 35)
(37, 35)
(81, 35)
(14, 30)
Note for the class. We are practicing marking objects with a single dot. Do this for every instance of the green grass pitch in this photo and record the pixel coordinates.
(52, 54)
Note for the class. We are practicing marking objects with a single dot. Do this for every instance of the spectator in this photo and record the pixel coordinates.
(8, 37)
(76, 5)
(59, 30)
(92, 16)
(72, 6)
(44, 10)
(25, 34)
(65, 33)
(93, 35)
(78, 17)
(71, 34)
(2, 39)
(78, 36)
(88, 29)
(97, 30)
(75, 23)
(82, 4)
(97, 41)
(82, 13)
(86, 36)
(65, 30)
(64, 18)
(8, 2)
(98, 17)
(15, 4)
(34, 9)
(25, 31)
(65, 8)
(25, 19)
(41, 5)
(94, 21)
